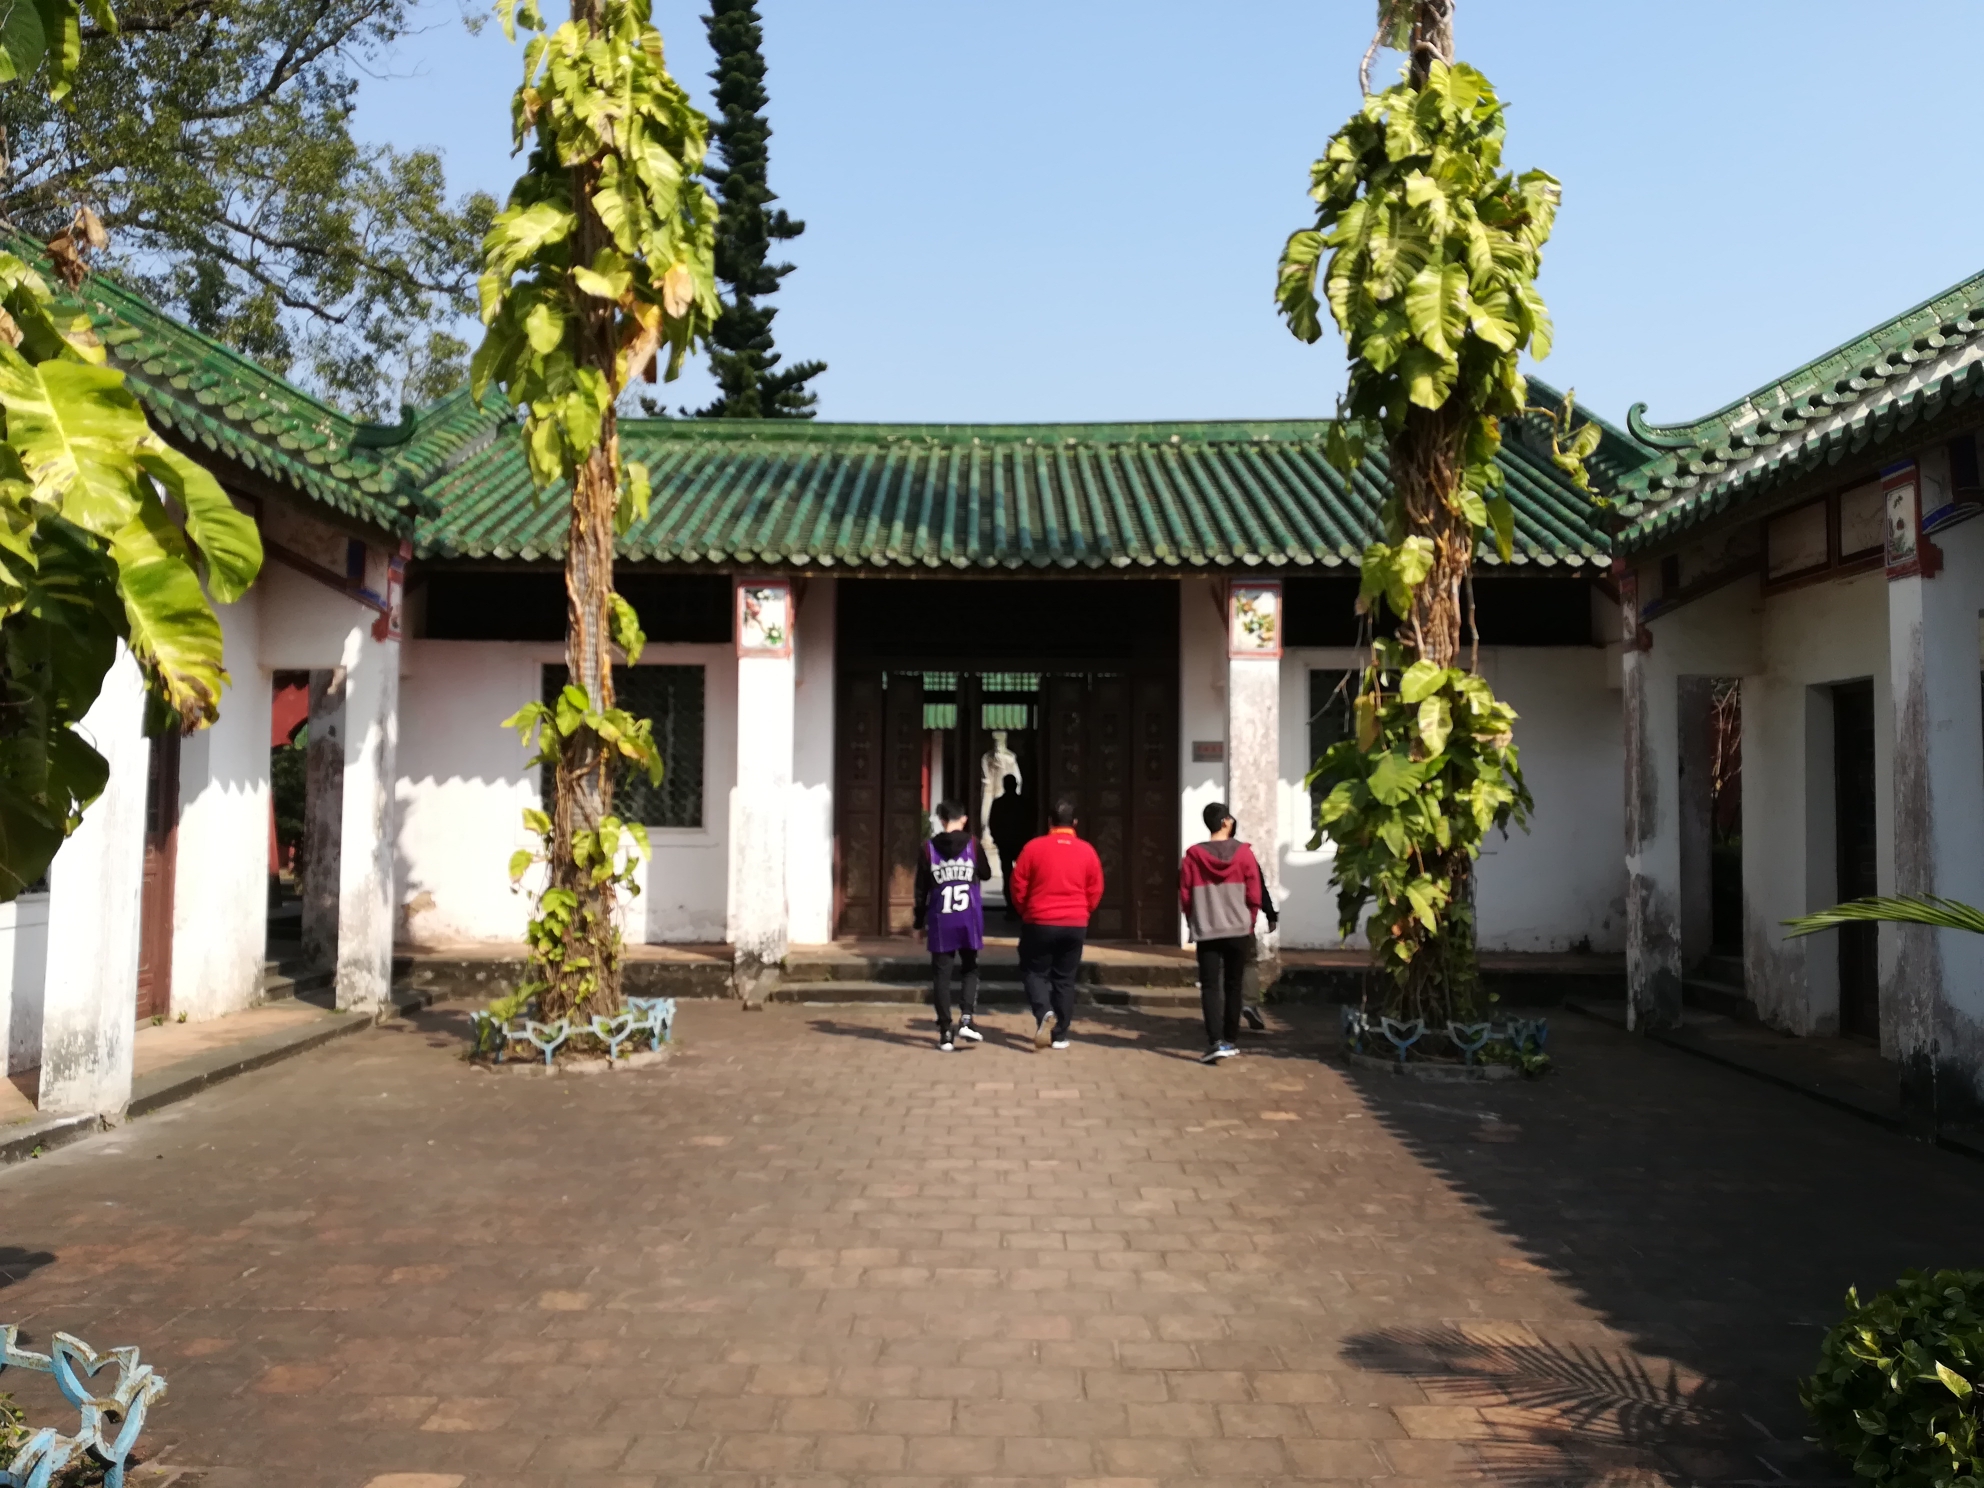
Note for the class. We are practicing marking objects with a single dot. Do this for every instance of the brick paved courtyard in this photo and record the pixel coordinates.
(812, 1251)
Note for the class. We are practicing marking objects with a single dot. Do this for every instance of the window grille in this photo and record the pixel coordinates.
(1331, 695)
(671, 697)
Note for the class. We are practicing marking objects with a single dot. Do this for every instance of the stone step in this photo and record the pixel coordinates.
(1718, 997)
(999, 965)
(990, 993)
(287, 979)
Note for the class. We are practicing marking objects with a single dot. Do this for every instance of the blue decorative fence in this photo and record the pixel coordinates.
(110, 1422)
(652, 1018)
(1390, 1036)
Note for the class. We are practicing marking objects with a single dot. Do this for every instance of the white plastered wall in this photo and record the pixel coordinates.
(1201, 706)
(23, 977)
(463, 788)
(1809, 639)
(220, 883)
(1558, 887)
(809, 869)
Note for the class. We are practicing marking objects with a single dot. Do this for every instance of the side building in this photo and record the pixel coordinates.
(1803, 586)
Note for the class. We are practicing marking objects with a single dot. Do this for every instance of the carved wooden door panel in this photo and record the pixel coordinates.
(155, 901)
(1106, 818)
(1154, 846)
(858, 805)
(905, 825)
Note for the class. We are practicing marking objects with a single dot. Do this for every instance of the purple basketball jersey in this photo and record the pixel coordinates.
(956, 915)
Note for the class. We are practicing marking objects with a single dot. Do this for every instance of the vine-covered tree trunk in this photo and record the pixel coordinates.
(584, 774)
(1425, 252)
(599, 268)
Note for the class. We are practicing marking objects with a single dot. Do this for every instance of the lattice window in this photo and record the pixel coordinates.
(672, 697)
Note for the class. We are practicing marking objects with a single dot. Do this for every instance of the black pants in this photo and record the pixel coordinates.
(942, 964)
(1222, 985)
(1050, 956)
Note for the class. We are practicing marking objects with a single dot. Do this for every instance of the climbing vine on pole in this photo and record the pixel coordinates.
(601, 267)
(1425, 252)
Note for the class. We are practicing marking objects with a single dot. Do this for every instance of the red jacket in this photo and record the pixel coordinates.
(1057, 880)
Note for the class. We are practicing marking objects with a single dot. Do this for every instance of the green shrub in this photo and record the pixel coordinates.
(1896, 1391)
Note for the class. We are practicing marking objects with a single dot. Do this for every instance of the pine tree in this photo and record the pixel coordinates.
(741, 353)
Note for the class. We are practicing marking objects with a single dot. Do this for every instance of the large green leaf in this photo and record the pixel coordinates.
(225, 535)
(78, 431)
(173, 632)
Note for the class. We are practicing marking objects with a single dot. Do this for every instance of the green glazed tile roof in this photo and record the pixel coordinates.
(987, 497)
(210, 397)
(1855, 400)
(1159, 496)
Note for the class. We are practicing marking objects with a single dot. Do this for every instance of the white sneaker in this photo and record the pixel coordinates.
(1060, 1043)
(968, 1032)
(1042, 1034)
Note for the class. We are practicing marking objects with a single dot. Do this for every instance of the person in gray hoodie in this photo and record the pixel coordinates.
(1219, 893)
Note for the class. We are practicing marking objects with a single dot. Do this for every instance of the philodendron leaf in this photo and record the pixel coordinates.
(226, 536)
(1421, 679)
(1954, 1382)
(173, 632)
(1393, 778)
(1435, 723)
(77, 431)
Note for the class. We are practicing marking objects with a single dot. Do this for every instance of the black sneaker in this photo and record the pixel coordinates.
(1254, 1019)
(1211, 1056)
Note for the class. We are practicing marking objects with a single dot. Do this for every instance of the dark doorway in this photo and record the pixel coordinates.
(1004, 697)
(1853, 804)
(1725, 812)
(155, 902)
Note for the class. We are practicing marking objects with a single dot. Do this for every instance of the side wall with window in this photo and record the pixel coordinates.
(464, 786)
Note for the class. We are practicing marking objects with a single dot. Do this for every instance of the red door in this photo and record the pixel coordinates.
(155, 905)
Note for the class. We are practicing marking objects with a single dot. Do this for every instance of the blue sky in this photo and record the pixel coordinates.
(1072, 210)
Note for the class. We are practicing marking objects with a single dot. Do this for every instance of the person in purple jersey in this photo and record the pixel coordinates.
(950, 907)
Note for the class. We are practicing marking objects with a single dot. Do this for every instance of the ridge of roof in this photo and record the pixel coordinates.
(1854, 398)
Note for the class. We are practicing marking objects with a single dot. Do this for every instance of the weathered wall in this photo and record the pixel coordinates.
(1558, 887)
(1932, 981)
(1810, 638)
(463, 787)
(1716, 636)
(89, 1010)
(220, 887)
(23, 978)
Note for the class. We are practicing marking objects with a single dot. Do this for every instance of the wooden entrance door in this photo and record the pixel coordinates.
(1857, 847)
(1112, 748)
(878, 800)
(155, 901)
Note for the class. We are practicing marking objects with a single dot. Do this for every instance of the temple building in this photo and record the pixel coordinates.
(847, 623)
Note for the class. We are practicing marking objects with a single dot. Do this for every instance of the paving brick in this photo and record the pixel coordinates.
(817, 1255)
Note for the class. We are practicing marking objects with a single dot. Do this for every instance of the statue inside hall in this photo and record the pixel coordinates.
(999, 770)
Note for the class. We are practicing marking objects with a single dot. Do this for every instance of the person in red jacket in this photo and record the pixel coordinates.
(1219, 893)
(1057, 884)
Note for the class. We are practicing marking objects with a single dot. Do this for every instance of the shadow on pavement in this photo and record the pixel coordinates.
(17, 1263)
(1712, 1220)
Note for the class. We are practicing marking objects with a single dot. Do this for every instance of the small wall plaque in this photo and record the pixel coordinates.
(764, 617)
(1909, 552)
(1253, 618)
(1208, 751)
